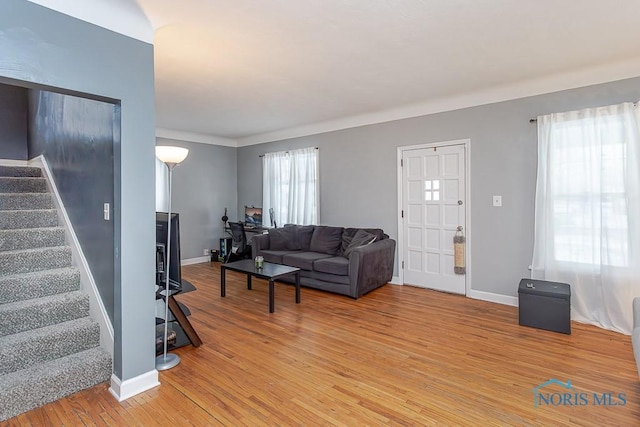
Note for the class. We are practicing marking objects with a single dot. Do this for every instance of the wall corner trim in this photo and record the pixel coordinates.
(123, 390)
(492, 297)
(395, 280)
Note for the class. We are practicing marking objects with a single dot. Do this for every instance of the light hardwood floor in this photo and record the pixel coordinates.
(397, 356)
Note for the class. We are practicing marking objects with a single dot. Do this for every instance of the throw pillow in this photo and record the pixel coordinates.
(283, 239)
(361, 238)
(326, 239)
(305, 232)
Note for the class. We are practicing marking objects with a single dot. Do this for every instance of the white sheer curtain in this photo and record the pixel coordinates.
(290, 186)
(587, 215)
(162, 184)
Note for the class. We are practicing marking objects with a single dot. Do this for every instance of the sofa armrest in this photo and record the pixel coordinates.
(371, 266)
(259, 242)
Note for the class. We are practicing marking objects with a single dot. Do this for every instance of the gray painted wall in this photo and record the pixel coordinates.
(43, 47)
(203, 185)
(13, 122)
(358, 173)
(76, 136)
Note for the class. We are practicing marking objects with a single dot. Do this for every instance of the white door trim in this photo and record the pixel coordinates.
(467, 201)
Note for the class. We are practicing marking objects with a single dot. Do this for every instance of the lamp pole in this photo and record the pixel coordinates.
(171, 156)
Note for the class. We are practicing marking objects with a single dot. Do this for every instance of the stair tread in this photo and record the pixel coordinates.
(10, 340)
(23, 315)
(13, 230)
(58, 298)
(23, 349)
(31, 210)
(24, 193)
(34, 250)
(40, 178)
(23, 200)
(53, 366)
(15, 170)
(63, 270)
(37, 385)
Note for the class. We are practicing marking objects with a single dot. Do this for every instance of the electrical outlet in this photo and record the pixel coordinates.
(205, 252)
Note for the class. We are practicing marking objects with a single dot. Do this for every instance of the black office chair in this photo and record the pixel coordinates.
(239, 247)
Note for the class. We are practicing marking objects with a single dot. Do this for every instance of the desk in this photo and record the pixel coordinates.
(249, 231)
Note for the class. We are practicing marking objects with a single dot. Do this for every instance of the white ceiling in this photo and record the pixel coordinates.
(250, 71)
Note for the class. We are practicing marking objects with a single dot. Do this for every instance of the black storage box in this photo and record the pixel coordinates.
(545, 305)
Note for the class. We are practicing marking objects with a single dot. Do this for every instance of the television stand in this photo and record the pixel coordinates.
(178, 320)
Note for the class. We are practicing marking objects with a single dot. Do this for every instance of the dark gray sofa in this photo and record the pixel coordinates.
(347, 261)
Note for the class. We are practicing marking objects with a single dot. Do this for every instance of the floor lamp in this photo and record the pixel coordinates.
(170, 156)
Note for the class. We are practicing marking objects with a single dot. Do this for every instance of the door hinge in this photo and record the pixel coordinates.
(401, 162)
(403, 265)
(402, 213)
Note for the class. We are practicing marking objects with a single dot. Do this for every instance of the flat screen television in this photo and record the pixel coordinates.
(252, 217)
(175, 271)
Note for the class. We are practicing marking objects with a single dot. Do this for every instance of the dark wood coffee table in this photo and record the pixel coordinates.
(269, 271)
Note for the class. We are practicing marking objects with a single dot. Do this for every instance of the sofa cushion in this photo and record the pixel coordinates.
(349, 232)
(361, 238)
(334, 265)
(275, 256)
(284, 239)
(313, 278)
(326, 239)
(303, 260)
(305, 232)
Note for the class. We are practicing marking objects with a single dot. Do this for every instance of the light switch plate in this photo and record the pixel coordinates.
(497, 201)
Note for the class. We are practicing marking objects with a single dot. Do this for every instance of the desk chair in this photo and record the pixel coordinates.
(239, 247)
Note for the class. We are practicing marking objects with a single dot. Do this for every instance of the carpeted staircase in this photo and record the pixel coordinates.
(49, 346)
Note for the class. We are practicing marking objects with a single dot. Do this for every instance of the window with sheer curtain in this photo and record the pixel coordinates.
(587, 214)
(290, 186)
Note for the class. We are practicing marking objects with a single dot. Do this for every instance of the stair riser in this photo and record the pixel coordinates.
(46, 344)
(15, 201)
(38, 285)
(44, 313)
(11, 220)
(16, 171)
(23, 185)
(34, 260)
(11, 240)
(31, 388)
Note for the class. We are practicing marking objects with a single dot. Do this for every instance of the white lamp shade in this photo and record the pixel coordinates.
(169, 154)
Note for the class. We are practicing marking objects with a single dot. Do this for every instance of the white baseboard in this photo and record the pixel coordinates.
(195, 260)
(10, 162)
(122, 390)
(97, 309)
(395, 280)
(491, 297)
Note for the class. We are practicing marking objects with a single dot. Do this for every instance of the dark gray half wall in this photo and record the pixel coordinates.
(203, 185)
(13, 122)
(75, 135)
(42, 47)
(358, 173)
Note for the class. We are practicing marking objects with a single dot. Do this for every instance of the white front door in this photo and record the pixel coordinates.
(433, 187)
